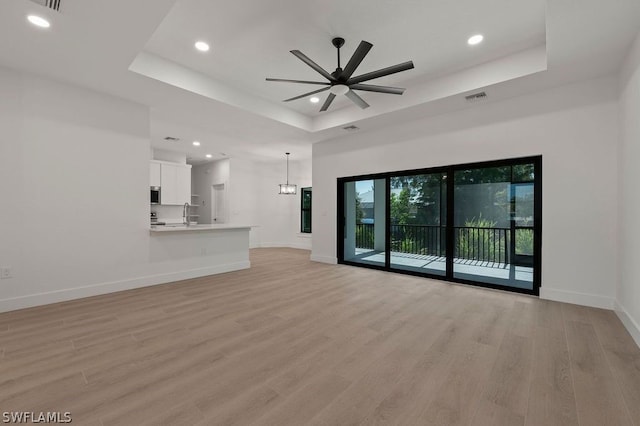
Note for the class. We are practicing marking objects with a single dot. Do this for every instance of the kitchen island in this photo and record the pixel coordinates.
(199, 250)
(194, 227)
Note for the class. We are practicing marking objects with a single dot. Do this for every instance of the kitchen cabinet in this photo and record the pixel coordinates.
(175, 183)
(154, 174)
(184, 184)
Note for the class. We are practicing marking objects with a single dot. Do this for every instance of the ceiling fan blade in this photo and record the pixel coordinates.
(356, 59)
(313, 65)
(284, 80)
(379, 89)
(381, 73)
(306, 94)
(356, 99)
(326, 103)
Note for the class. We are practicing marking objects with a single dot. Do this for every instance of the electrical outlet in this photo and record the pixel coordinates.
(5, 273)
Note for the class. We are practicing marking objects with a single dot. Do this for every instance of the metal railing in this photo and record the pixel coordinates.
(482, 244)
(419, 239)
(365, 235)
(489, 245)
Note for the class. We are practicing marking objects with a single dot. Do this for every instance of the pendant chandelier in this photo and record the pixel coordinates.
(286, 188)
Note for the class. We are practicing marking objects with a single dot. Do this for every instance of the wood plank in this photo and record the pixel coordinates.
(376, 381)
(551, 398)
(244, 409)
(598, 397)
(300, 407)
(456, 400)
(510, 379)
(622, 355)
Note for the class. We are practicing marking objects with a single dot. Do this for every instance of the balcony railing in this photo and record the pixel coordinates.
(419, 239)
(489, 245)
(365, 235)
(482, 244)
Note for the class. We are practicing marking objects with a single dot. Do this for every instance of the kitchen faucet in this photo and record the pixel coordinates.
(185, 214)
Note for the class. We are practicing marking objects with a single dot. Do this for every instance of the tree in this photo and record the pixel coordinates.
(359, 211)
(401, 207)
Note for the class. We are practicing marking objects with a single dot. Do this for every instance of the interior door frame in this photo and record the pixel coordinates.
(214, 202)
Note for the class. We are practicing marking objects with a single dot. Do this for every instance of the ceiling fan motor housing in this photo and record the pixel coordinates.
(338, 42)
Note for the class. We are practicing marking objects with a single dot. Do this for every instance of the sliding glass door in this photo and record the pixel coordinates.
(476, 223)
(418, 218)
(493, 225)
(364, 209)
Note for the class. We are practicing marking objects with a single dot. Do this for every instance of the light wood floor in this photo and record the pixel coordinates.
(292, 342)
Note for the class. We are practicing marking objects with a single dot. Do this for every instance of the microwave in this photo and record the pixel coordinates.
(155, 195)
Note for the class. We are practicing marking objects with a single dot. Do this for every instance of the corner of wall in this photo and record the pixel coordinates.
(628, 200)
(324, 259)
(630, 65)
(629, 323)
(576, 298)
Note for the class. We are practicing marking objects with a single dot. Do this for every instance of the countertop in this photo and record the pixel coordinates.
(194, 228)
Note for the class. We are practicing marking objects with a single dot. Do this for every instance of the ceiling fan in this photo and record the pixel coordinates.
(341, 81)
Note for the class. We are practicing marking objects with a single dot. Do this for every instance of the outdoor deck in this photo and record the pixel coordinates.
(477, 270)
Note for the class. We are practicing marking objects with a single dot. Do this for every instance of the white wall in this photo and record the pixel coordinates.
(203, 177)
(74, 208)
(628, 292)
(253, 199)
(170, 156)
(574, 128)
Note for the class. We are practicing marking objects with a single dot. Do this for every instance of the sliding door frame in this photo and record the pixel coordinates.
(449, 230)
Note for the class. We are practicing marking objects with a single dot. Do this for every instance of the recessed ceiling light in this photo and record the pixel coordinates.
(476, 39)
(208, 155)
(314, 100)
(38, 21)
(202, 46)
(196, 143)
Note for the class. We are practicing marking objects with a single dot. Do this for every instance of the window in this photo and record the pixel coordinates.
(305, 210)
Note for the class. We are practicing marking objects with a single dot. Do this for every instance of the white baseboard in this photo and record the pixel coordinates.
(576, 298)
(629, 323)
(271, 245)
(115, 286)
(324, 259)
(282, 245)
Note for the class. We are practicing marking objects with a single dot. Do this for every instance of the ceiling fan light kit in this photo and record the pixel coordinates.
(339, 89)
(340, 82)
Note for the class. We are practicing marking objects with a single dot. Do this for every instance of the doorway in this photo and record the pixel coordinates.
(218, 203)
(364, 221)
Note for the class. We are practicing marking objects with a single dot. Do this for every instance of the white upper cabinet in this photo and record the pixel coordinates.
(184, 184)
(175, 183)
(169, 184)
(154, 174)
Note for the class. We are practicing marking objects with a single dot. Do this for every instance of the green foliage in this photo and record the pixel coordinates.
(401, 207)
(359, 211)
(475, 243)
(479, 223)
(524, 242)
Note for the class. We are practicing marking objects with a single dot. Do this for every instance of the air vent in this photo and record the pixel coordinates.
(480, 96)
(171, 139)
(51, 4)
(351, 128)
